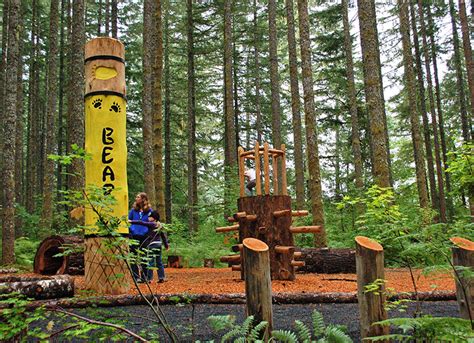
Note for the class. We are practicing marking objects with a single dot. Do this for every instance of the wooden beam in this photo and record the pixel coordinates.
(231, 219)
(275, 151)
(297, 263)
(228, 228)
(275, 175)
(240, 215)
(284, 186)
(251, 218)
(282, 213)
(282, 249)
(258, 181)
(299, 213)
(305, 229)
(297, 254)
(266, 169)
(230, 258)
(236, 268)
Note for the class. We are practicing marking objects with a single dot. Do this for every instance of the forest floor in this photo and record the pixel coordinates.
(225, 281)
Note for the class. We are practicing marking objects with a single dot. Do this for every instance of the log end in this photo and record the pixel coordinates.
(46, 262)
(463, 243)
(368, 243)
(255, 244)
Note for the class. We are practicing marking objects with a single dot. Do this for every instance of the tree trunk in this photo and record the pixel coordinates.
(192, 163)
(442, 134)
(467, 51)
(167, 117)
(439, 168)
(158, 114)
(76, 94)
(295, 107)
(8, 222)
(230, 150)
(352, 99)
(149, 42)
(422, 109)
(48, 185)
(311, 127)
(47, 263)
(235, 89)
(19, 156)
(114, 13)
(328, 261)
(258, 114)
(410, 90)
(3, 88)
(274, 75)
(373, 91)
(463, 256)
(99, 18)
(107, 18)
(39, 288)
(466, 133)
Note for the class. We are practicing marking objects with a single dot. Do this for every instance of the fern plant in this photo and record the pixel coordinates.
(246, 332)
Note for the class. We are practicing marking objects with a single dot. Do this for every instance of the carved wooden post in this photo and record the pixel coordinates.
(463, 255)
(370, 267)
(258, 285)
(105, 140)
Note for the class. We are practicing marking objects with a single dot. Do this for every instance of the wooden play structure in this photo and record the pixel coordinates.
(267, 216)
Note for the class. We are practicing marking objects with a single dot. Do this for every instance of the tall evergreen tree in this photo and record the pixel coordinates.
(311, 127)
(410, 90)
(256, 56)
(352, 99)
(158, 113)
(295, 105)
(8, 222)
(191, 127)
(114, 15)
(373, 91)
(167, 113)
(466, 41)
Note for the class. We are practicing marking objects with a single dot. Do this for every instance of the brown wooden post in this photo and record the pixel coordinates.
(266, 168)
(284, 186)
(241, 172)
(258, 182)
(105, 140)
(275, 174)
(258, 285)
(463, 255)
(370, 267)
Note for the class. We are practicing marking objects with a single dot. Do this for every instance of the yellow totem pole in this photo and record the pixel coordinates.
(105, 141)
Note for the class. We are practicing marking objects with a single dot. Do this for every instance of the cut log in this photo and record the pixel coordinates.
(240, 215)
(46, 263)
(284, 249)
(299, 213)
(370, 267)
(297, 263)
(282, 213)
(284, 187)
(236, 268)
(230, 259)
(43, 287)
(463, 256)
(297, 254)
(231, 219)
(258, 284)
(327, 261)
(305, 229)
(251, 218)
(237, 247)
(228, 228)
(175, 261)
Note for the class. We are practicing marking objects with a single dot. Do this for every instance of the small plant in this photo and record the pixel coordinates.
(246, 332)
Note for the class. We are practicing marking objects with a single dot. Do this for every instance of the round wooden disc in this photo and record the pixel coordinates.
(463, 243)
(368, 243)
(255, 244)
(104, 46)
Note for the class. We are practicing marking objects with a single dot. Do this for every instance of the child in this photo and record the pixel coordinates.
(155, 239)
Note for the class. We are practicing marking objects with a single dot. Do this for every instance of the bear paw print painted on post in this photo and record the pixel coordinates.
(97, 103)
(115, 107)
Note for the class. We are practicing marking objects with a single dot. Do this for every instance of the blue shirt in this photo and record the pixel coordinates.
(137, 229)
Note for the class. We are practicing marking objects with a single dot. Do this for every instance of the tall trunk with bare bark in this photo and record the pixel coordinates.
(149, 43)
(274, 76)
(295, 106)
(258, 114)
(158, 113)
(48, 182)
(439, 168)
(311, 126)
(466, 41)
(373, 91)
(192, 163)
(410, 90)
(114, 15)
(352, 99)
(167, 116)
(8, 203)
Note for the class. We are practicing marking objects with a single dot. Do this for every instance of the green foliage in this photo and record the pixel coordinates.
(461, 167)
(15, 318)
(429, 329)
(25, 250)
(247, 332)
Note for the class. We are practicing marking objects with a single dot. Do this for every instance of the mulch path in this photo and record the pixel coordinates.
(225, 281)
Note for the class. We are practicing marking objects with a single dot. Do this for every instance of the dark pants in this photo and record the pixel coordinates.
(139, 263)
(155, 261)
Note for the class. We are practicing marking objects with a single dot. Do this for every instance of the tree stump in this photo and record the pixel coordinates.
(463, 255)
(370, 267)
(46, 263)
(175, 261)
(208, 263)
(258, 285)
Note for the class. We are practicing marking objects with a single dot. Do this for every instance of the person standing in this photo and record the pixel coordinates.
(139, 213)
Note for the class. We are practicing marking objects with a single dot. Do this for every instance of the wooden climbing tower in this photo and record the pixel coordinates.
(267, 215)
